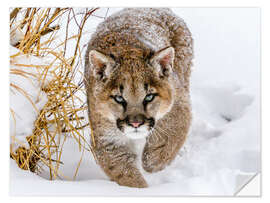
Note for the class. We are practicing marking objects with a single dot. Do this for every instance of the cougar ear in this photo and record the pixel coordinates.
(101, 65)
(163, 61)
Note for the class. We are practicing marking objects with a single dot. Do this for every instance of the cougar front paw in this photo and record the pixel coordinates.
(154, 160)
(132, 181)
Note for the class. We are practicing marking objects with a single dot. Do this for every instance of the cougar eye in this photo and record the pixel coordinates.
(119, 99)
(149, 97)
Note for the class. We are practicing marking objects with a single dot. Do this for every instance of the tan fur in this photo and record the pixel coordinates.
(129, 55)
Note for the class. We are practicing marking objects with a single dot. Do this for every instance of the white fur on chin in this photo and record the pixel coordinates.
(138, 133)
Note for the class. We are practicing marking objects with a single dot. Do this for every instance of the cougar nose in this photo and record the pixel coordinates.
(135, 121)
(135, 124)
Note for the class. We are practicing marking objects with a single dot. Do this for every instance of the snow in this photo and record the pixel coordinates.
(24, 109)
(223, 148)
(16, 34)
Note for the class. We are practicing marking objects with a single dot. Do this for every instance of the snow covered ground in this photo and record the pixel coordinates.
(26, 97)
(223, 148)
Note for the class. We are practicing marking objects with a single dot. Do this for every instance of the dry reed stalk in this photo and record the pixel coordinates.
(60, 117)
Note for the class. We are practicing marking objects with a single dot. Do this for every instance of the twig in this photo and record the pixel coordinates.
(80, 33)
(106, 13)
(14, 13)
(50, 29)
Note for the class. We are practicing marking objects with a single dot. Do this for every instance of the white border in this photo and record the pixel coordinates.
(140, 3)
(265, 12)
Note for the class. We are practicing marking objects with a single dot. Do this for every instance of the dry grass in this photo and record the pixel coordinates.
(62, 114)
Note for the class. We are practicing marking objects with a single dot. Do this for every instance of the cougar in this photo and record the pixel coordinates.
(137, 71)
